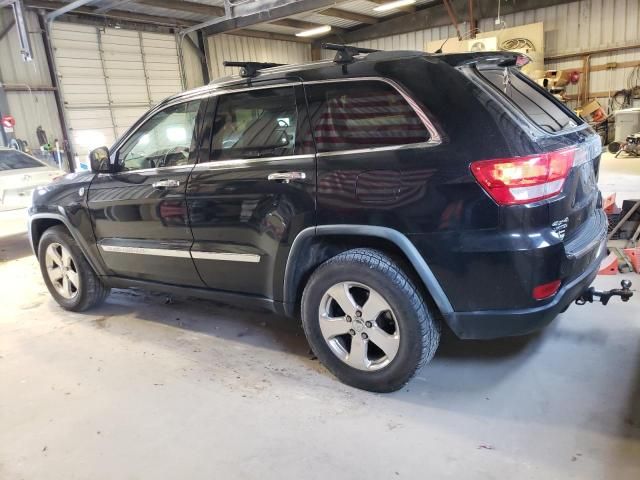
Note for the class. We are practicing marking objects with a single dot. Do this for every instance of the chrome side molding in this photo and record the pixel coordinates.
(195, 254)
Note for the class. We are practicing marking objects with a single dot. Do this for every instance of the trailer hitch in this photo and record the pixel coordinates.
(591, 294)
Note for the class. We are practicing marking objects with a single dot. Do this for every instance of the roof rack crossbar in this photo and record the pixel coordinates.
(345, 53)
(250, 69)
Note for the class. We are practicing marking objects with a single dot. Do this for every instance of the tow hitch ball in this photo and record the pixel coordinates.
(591, 294)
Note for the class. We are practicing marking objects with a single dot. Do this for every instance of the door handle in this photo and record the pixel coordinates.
(162, 184)
(286, 177)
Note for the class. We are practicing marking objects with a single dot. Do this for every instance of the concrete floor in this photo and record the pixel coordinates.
(139, 389)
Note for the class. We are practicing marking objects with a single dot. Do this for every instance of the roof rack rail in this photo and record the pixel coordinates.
(250, 69)
(345, 53)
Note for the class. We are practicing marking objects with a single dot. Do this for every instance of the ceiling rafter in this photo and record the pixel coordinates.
(191, 7)
(347, 15)
(111, 14)
(111, 5)
(269, 36)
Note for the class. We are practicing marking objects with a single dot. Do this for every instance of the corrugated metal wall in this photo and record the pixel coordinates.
(30, 109)
(233, 47)
(568, 28)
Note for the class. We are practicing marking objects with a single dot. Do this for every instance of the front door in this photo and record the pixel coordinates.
(255, 193)
(139, 212)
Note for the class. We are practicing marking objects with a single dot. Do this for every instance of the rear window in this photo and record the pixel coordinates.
(542, 109)
(14, 160)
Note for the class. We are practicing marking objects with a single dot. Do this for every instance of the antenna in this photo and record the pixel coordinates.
(443, 44)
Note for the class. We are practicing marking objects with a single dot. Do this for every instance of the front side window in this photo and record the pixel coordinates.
(361, 114)
(13, 160)
(162, 141)
(254, 124)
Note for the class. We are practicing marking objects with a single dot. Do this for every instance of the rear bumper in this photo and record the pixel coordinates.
(488, 324)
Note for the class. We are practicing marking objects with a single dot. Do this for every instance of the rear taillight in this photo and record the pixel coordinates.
(519, 180)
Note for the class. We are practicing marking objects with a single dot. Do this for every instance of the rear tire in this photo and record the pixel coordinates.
(367, 322)
(67, 274)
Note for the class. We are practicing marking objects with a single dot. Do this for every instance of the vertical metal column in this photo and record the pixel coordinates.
(51, 64)
(205, 51)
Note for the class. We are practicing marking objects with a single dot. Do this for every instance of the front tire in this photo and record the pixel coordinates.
(67, 274)
(367, 322)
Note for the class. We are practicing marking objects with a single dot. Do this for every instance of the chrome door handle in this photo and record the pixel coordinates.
(287, 176)
(162, 184)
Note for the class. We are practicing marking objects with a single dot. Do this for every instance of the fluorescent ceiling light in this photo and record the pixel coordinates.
(315, 31)
(385, 7)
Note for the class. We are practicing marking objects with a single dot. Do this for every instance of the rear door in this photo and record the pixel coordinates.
(139, 213)
(255, 192)
(377, 155)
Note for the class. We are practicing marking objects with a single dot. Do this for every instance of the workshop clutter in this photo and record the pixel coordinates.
(623, 236)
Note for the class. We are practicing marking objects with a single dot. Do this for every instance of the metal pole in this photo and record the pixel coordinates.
(23, 31)
(205, 62)
(48, 50)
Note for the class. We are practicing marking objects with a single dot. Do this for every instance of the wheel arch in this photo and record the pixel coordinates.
(41, 222)
(314, 245)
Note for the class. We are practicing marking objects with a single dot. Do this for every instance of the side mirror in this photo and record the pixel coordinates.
(99, 159)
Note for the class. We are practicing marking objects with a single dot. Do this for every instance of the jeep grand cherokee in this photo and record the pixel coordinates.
(374, 197)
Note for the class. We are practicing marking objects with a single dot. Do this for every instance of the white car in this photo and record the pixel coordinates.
(20, 173)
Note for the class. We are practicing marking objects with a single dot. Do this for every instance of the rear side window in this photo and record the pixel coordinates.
(254, 124)
(543, 110)
(14, 160)
(353, 115)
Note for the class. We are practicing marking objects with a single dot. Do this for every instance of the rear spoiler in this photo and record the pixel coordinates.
(501, 59)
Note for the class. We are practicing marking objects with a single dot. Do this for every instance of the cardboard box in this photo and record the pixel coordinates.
(593, 112)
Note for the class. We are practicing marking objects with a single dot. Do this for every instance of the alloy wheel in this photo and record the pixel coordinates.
(62, 271)
(359, 326)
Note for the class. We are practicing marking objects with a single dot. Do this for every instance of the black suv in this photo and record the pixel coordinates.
(374, 196)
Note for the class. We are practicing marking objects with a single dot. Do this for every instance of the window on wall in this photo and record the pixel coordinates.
(353, 115)
(259, 123)
(164, 140)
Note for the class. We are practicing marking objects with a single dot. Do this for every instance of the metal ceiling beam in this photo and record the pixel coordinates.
(191, 7)
(437, 16)
(111, 5)
(346, 15)
(269, 36)
(113, 14)
(294, 23)
(66, 9)
(248, 14)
